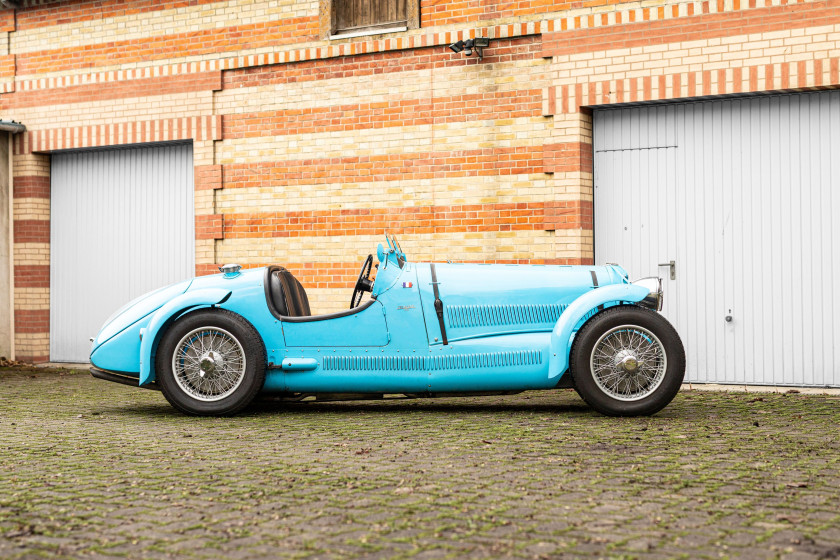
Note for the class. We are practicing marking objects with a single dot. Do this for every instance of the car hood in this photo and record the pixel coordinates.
(467, 283)
(480, 300)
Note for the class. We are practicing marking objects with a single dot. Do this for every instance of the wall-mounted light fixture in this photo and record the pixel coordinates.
(470, 46)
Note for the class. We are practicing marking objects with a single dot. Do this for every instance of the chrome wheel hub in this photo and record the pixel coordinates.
(208, 364)
(628, 363)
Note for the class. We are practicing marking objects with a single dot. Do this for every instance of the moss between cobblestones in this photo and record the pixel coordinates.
(90, 468)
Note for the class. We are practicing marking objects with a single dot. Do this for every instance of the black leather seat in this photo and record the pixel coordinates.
(287, 294)
(296, 297)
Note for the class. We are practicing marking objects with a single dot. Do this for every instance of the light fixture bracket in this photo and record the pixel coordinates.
(471, 46)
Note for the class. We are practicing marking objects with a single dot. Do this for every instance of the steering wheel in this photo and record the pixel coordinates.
(363, 284)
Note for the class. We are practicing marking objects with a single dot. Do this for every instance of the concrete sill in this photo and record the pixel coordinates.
(369, 32)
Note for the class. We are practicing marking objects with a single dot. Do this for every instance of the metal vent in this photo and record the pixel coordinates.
(486, 360)
(375, 363)
(431, 363)
(465, 316)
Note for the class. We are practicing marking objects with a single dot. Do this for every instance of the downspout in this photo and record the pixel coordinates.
(11, 203)
(12, 128)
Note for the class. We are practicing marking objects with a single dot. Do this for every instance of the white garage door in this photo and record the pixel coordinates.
(122, 223)
(743, 195)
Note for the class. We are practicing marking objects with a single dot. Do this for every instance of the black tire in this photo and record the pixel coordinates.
(620, 369)
(222, 384)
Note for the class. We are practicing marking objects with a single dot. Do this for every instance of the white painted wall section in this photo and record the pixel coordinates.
(744, 195)
(122, 224)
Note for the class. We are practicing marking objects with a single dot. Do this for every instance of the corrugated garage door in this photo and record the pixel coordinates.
(744, 196)
(122, 223)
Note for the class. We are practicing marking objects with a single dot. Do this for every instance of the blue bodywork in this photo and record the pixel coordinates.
(508, 327)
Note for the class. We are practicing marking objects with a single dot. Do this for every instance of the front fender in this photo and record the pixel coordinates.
(561, 335)
(164, 315)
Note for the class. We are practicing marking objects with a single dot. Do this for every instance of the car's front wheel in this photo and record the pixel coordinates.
(627, 361)
(210, 362)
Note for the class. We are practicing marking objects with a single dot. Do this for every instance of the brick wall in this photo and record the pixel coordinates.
(31, 229)
(307, 150)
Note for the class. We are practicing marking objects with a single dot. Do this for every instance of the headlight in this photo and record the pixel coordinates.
(655, 298)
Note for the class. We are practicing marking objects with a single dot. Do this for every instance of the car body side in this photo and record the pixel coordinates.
(508, 327)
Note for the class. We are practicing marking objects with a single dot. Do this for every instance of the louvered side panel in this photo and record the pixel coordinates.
(435, 363)
(471, 316)
(374, 363)
(486, 360)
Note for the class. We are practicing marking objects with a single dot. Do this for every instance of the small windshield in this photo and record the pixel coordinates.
(395, 246)
(392, 241)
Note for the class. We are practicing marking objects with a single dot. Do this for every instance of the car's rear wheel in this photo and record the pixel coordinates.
(627, 361)
(210, 362)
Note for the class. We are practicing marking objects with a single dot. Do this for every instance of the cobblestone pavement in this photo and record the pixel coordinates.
(93, 469)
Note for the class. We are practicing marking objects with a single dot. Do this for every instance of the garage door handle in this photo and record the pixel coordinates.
(673, 266)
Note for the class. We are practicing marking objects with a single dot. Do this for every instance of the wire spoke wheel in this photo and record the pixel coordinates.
(628, 362)
(208, 364)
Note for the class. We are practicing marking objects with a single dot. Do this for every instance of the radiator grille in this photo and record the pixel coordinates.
(431, 363)
(464, 316)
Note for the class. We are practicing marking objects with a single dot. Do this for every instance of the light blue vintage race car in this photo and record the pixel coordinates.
(213, 343)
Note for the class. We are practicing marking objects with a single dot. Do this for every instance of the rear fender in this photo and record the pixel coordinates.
(561, 336)
(164, 316)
